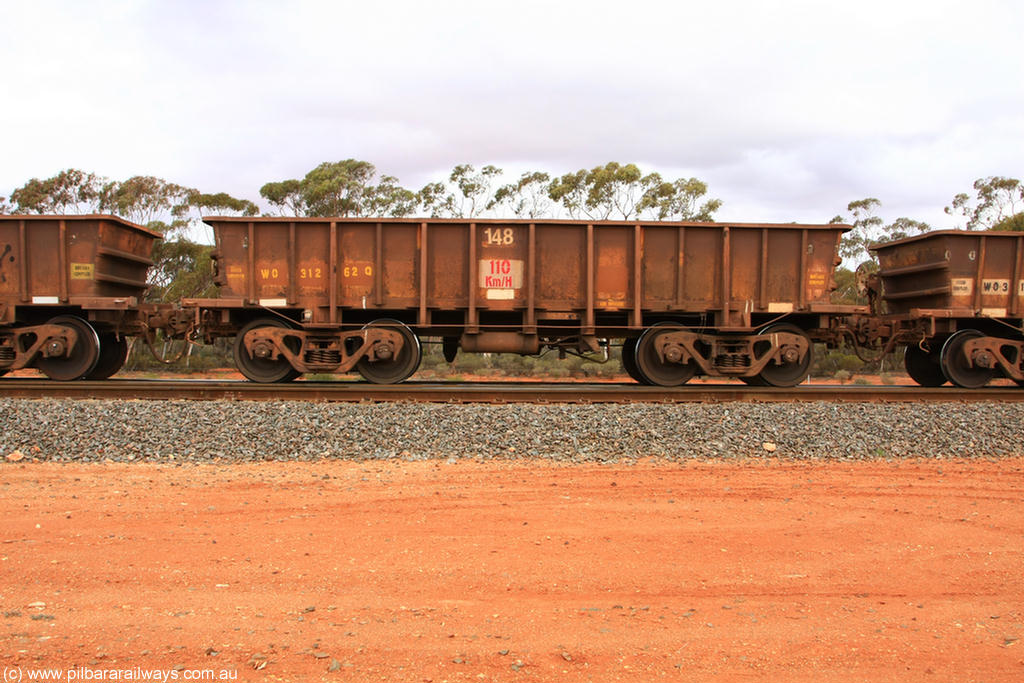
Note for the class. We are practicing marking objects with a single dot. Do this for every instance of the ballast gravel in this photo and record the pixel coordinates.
(192, 431)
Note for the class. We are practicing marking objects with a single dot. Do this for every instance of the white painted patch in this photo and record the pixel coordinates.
(995, 286)
(501, 273)
(962, 286)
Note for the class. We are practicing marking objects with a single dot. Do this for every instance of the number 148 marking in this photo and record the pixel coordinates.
(503, 236)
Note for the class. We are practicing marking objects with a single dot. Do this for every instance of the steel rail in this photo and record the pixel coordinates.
(489, 392)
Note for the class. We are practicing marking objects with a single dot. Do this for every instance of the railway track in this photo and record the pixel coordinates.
(489, 392)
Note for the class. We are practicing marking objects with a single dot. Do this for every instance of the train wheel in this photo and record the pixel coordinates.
(83, 357)
(113, 353)
(398, 368)
(923, 367)
(786, 374)
(629, 361)
(650, 365)
(263, 370)
(956, 367)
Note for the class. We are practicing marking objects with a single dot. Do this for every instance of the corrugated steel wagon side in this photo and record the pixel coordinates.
(956, 298)
(332, 294)
(70, 289)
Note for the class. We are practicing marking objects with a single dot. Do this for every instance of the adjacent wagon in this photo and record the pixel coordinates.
(71, 290)
(956, 299)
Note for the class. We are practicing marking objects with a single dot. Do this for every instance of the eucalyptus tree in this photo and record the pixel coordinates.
(340, 188)
(997, 204)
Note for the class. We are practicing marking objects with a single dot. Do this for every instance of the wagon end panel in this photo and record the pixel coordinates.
(231, 257)
(12, 285)
(118, 258)
(780, 271)
(822, 259)
(916, 273)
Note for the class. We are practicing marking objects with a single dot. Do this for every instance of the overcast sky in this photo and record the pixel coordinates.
(788, 110)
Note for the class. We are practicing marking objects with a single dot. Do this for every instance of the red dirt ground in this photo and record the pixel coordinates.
(512, 571)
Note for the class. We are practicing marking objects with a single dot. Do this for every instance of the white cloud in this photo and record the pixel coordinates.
(788, 109)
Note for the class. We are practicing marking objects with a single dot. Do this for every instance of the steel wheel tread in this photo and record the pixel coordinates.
(113, 354)
(84, 356)
(652, 368)
(397, 369)
(262, 370)
(925, 368)
(788, 374)
(956, 368)
(629, 361)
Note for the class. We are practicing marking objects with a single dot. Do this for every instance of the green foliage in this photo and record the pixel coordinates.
(69, 192)
(829, 362)
(221, 203)
(145, 200)
(526, 198)
(182, 269)
(196, 358)
(1014, 223)
(869, 229)
(341, 188)
(847, 291)
(997, 199)
(678, 201)
(466, 194)
(571, 191)
(513, 365)
(623, 191)
(286, 195)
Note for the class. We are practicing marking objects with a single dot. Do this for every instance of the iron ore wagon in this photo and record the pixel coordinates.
(71, 290)
(336, 294)
(956, 299)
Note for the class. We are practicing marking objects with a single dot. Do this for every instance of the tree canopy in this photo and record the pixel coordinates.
(997, 201)
(341, 188)
(622, 191)
(869, 228)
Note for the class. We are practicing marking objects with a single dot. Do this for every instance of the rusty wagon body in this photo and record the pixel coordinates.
(956, 299)
(71, 289)
(336, 294)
